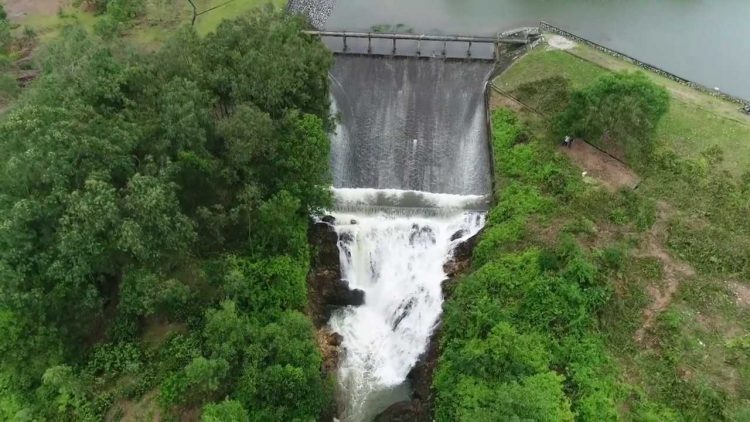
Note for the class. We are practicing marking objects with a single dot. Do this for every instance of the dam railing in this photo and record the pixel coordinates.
(414, 45)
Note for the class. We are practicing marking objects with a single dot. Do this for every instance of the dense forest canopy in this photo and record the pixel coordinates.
(153, 216)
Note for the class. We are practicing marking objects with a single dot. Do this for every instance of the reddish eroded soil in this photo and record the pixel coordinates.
(610, 172)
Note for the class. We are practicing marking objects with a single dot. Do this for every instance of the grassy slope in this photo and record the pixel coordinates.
(694, 358)
(695, 122)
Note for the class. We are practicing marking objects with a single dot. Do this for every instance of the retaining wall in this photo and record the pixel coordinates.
(546, 27)
(317, 11)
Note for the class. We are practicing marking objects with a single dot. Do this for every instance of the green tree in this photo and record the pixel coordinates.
(228, 410)
(167, 190)
(619, 112)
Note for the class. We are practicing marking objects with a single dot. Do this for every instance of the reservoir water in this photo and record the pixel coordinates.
(707, 41)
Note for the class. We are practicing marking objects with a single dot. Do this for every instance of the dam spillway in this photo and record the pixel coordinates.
(411, 124)
(412, 180)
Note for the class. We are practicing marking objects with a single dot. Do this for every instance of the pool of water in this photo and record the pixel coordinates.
(707, 41)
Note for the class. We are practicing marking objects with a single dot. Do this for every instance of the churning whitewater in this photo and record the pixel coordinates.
(397, 259)
(411, 177)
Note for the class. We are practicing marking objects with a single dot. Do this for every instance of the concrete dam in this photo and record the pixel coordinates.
(412, 180)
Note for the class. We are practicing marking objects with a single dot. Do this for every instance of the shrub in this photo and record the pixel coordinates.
(226, 411)
(618, 112)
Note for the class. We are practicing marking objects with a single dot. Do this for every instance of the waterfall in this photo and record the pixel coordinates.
(397, 260)
(411, 181)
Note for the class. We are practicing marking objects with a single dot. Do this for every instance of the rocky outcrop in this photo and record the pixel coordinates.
(461, 259)
(326, 290)
(403, 411)
(329, 344)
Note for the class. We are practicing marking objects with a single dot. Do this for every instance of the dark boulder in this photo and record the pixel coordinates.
(403, 411)
(461, 256)
(325, 289)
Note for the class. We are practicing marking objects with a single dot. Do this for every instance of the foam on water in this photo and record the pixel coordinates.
(397, 260)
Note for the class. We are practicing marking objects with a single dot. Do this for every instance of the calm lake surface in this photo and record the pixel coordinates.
(707, 41)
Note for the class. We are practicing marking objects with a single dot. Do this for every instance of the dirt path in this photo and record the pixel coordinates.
(674, 270)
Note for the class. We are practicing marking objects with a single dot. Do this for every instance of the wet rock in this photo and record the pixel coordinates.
(329, 344)
(457, 235)
(346, 238)
(422, 374)
(329, 219)
(326, 290)
(461, 258)
(403, 411)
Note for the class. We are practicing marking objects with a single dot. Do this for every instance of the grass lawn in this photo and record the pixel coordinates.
(695, 122)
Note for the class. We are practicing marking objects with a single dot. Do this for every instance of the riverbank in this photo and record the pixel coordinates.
(633, 303)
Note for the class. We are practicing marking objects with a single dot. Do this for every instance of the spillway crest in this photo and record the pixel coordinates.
(411, 181)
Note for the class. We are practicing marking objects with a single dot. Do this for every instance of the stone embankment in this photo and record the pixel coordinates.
(317, 11)
(545, 27)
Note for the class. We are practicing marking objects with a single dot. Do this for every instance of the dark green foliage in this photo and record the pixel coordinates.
(167, 191)
(618, 112)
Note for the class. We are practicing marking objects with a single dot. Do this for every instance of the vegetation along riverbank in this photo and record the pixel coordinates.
(599, 303)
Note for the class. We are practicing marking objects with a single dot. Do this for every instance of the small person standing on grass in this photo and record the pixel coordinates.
(568, 141)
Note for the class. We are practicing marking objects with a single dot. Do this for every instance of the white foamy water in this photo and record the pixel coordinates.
(397, 259)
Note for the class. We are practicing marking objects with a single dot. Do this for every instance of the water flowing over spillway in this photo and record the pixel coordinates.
(411, 181)
(413, 124)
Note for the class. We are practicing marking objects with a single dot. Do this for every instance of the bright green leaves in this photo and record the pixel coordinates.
(228, 410)
(226, 331)
(517, 333)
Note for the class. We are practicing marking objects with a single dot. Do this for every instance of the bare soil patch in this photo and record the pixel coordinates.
(741, 293)
(17, 9)
(610, 172)
(674, 270)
